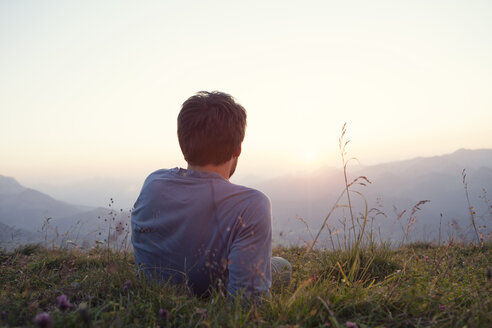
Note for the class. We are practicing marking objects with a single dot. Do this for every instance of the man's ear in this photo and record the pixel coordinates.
(238, 152)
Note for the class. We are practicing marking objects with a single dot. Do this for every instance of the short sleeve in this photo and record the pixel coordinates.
(249, 259)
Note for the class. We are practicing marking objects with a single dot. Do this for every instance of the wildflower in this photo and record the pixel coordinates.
(43, 320)
(164, 314)
(127, 285)
(351, 324)
(63, 303)
(442, 307)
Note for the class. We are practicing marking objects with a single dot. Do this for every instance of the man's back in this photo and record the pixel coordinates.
(197, 227)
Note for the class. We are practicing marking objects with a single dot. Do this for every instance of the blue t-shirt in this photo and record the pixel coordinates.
(198, 228)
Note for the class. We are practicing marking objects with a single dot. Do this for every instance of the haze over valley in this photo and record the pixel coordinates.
(82, 213)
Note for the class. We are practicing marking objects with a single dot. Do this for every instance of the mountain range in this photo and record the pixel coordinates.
(27, 215)
(300, 203)
(394, 188)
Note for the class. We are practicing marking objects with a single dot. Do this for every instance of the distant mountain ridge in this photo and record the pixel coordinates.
(24, 213)
(9, 185)
(395, 186)
(458, 160)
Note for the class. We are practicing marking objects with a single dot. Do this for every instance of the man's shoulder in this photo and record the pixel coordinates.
(251, 196)
(160, 174)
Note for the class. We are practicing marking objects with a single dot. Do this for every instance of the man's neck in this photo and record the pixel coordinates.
(222, 169)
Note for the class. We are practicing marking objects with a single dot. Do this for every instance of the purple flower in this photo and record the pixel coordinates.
(164, 314)
(351, 324)
(63, 303)
(127, 285)
(43, 320)
(442, 307)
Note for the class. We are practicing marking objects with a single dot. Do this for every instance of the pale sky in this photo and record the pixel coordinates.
(93, 88)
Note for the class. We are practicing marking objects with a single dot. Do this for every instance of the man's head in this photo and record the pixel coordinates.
(211, 127)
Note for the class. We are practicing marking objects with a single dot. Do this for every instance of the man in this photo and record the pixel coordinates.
(193, 225)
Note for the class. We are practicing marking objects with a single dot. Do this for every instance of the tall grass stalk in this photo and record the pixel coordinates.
(440, 224)
(342, 146)
(471, 210)
(351, 268)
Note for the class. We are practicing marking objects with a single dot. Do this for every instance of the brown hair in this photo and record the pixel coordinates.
(211, 127)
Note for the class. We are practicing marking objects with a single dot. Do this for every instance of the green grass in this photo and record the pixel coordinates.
(412, 286)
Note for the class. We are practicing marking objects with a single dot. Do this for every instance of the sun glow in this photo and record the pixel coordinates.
(309, 156)
(75, 98)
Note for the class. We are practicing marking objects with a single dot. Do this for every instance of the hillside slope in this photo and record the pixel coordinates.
(415, 286)
(24, 213)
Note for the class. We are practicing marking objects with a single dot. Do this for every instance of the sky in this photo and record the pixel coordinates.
(93, 88)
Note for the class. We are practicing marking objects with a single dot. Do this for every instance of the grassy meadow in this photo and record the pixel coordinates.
(417, 285)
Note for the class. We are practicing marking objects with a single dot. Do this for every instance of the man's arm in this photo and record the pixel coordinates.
(251, 251)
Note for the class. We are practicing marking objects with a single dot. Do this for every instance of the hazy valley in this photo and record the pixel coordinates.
(395, 187)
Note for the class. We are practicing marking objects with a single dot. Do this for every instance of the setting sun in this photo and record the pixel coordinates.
(101, 105)
(309, 156)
